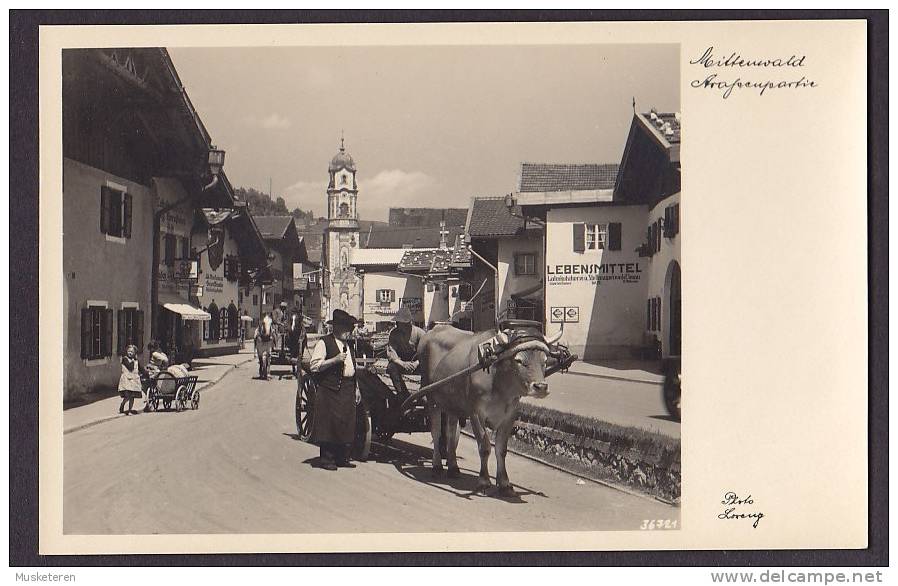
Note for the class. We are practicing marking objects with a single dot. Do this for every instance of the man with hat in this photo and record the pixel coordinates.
(333, 426)
(402, 350)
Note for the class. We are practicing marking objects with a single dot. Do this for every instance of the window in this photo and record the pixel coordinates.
(224, 324)
(130, 329)
(671, 220)
(342, 179)
(525, 264)
(185, 248)
(169, 243)
(653, 314)
(597, 236)
(214, 323)
(96, 332)
(344, 210)
(255, 300)
(385, 295)
(115, 212)
(266, 297)
(233, 322)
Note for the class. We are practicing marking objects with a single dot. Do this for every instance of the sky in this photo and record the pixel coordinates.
(427, 126)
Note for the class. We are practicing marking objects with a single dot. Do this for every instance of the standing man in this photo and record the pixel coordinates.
(333, 426)
(402, 351)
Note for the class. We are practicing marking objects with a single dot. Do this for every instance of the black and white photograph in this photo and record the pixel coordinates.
(311, 291)
(371, 289)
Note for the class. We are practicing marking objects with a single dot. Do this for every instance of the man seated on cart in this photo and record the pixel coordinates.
(402, 351)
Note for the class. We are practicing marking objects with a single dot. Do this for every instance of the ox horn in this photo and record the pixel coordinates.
(554, 338)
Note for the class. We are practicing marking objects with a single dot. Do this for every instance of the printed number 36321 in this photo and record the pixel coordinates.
(652, 524)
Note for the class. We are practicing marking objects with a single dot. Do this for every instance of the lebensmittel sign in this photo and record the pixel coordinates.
(593, 274)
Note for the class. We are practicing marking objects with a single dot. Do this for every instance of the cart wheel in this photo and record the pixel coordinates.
(195, 399)
(181, 398)
(305, 408)
(361, 447)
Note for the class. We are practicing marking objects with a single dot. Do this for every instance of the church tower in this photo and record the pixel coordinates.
(342, 236)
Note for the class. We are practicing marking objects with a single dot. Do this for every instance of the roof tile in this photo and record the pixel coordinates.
(567, 177)
(490, 217)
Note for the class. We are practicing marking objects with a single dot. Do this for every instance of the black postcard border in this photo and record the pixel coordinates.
(25, 341)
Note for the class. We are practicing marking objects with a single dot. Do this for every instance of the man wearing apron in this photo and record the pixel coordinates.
(333, 423)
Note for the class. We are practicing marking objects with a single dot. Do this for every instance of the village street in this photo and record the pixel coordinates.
(235, 466)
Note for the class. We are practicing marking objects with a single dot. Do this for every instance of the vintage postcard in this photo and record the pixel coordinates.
(453, 287)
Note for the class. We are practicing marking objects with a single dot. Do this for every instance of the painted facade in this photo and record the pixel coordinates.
(343, 287)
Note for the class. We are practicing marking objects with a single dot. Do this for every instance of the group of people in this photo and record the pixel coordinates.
(333, 365)
(279, 321)
(135, 381)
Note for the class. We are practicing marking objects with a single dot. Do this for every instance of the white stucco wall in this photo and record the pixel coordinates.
(659, 265)
(406, 287)
(608, 287)
(509, 282)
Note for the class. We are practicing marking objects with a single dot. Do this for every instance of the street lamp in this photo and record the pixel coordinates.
(216, 160)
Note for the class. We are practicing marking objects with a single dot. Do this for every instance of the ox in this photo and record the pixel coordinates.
(488, 397)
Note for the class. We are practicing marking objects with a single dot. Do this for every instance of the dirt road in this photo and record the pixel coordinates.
(235, 466)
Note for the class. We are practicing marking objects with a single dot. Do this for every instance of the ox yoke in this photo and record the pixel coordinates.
(493, 394)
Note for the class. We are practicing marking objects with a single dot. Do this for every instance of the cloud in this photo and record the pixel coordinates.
(271, 122)
(307, 195)
(386, 189)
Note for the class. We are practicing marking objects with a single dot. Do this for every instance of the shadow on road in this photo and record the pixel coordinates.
(664, 418)
(413, 462)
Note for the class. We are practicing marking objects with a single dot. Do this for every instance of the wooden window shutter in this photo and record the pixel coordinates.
(107, 332)
(579, 237)
(659, 314)
(648, 314)
(392, 295)
(104, 209)
(122, 332)
(138, 330)
(85, 332)
(126, 213)
(614, 236)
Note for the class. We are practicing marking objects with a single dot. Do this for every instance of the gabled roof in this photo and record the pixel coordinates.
(650, 166)
(545, 177)
(427, 217)
(379, 257)
(665, 124)
(436, 262)
(396, 237)
(273, 227)
(489, 217)
(280, 232)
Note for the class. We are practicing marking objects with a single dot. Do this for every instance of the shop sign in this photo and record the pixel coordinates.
(380, 309)
(214, 283)
(186, 269)
(412, 303)
(564, 314)
(593, 274)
